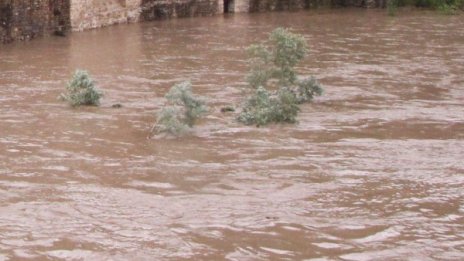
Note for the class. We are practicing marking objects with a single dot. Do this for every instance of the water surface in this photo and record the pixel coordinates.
(372, 171)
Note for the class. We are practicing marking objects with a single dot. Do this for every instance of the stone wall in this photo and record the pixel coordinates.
(275, 5)
(163, 9)
(6, 14)
(360, 3)
(86, 14)
(27, 19)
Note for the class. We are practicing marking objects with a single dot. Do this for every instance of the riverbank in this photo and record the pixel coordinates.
(21, 20)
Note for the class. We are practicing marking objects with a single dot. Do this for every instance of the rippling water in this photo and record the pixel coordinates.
(372, 171)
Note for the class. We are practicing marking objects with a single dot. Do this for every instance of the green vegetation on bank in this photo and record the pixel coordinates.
(276, 88)
(181, 111)
(81, 90)
(448, 7)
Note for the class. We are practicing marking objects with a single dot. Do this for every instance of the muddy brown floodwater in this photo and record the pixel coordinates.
(374, 170)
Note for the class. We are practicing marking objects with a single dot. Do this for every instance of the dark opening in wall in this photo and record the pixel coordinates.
(6, 15)
(60, 21)
(228, 6)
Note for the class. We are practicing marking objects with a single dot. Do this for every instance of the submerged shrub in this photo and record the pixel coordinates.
(182, 110)
(261, 65)
(81, 90)
(257, 109)
(276, 58)
(307, 89)
(263, 107)
(170, 122)
(273, 63)
(285, 107)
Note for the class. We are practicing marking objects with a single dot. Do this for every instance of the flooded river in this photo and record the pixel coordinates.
(374, 170)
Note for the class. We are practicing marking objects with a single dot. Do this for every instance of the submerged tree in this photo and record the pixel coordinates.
(263, 107)
(181, 112)
(81, 90)
(278, 90)
(276, 58)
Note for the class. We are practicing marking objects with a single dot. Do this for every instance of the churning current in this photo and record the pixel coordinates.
(373, 170)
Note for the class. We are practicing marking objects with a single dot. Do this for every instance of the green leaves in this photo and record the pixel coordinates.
(272, 66)
(182, 110)
(306, 89)
(263, 107)
(81, 90)
(169, 121)
(258, 108)
(276, 58)
(285, 108)
(194, 107)
(288, 50)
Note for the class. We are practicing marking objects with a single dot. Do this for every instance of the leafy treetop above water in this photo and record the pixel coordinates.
(182, 110)
(276, 58)
(272, 65)
(81, 90)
